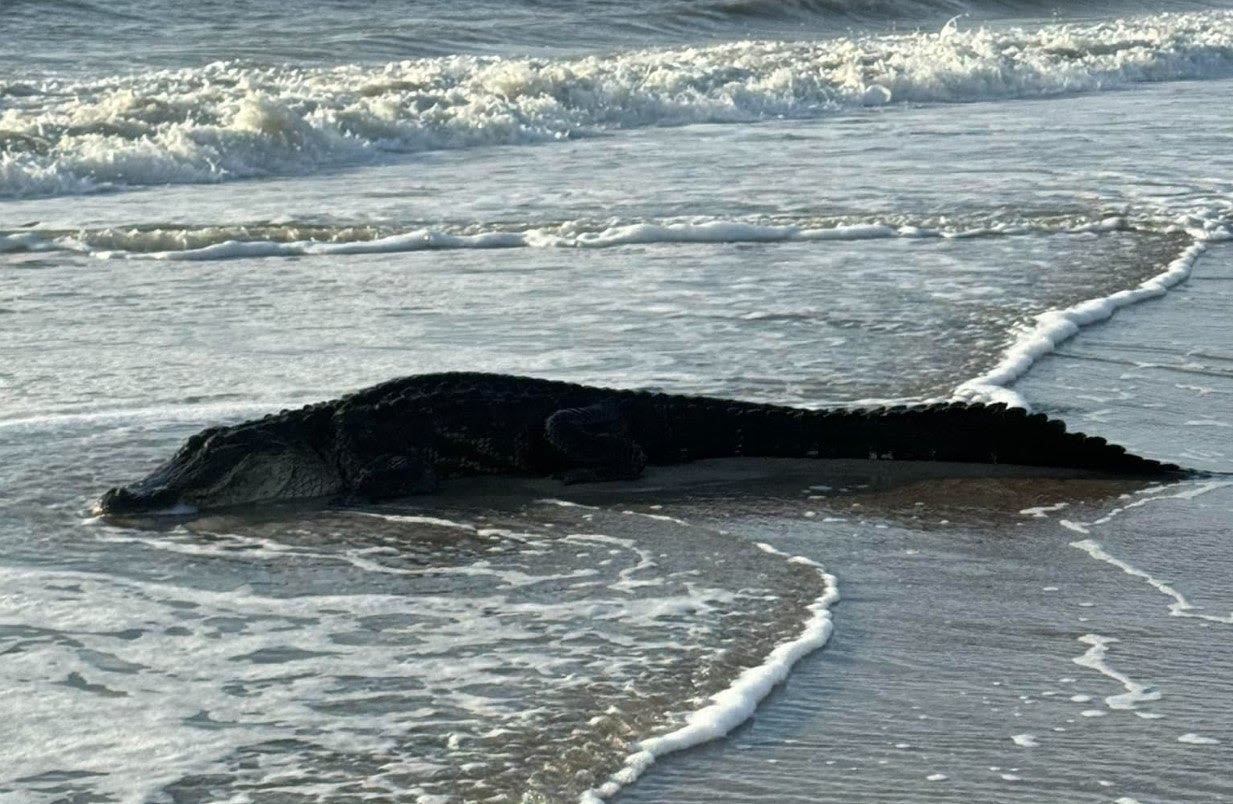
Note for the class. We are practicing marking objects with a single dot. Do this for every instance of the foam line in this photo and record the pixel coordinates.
(1180, 607)
(1056, 326)
(658, 517)
(1185, 491)
(206, 243)
(565, 504)
(1043, 511)
(1094, 659)
(733, 706)
(626, 583)
(718, 231)
(415, 520)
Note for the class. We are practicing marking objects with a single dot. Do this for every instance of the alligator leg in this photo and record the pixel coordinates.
(374, 467)
(393, 476)
(595, 443)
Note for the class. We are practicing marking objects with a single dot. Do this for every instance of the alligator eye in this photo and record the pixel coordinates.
(198, 440)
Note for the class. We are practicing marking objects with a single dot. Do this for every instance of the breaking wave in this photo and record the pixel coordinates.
(299, 240)
(233, 120)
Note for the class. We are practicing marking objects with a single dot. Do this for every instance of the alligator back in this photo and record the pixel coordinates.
(672, 428)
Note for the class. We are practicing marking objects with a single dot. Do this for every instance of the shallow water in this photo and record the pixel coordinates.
(379, 652)
(852, 215)
(1026, 641)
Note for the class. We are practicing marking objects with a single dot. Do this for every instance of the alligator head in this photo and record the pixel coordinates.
(261, 461)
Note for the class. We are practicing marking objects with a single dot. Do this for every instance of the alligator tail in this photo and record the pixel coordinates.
(954, 432)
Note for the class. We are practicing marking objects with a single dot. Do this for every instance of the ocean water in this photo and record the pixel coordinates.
(208, 215)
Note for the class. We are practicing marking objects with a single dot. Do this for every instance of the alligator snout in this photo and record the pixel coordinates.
(121, 500)
(118, 500)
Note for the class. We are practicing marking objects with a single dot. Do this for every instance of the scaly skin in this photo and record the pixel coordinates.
(405, 436)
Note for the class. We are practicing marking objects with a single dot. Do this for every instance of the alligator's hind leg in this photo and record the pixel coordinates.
(595, 444)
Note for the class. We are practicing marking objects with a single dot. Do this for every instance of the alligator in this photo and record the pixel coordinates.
(408, 435)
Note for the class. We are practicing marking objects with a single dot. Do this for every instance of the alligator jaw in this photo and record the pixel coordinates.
(124, 501)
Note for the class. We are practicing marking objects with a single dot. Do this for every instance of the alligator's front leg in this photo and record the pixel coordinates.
(595, 443)
(394, 476)
(376, 466)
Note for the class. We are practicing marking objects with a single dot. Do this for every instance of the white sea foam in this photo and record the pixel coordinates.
(1195, 739)
(734, 705)
(659, 517)
(1055, 326)
(226, 120)
(26, 241)
(565, 504)
(1180, 607)
(292, 240)
(1042, 511)
(416, 520)
(1094, 659)
(626, 581)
